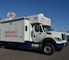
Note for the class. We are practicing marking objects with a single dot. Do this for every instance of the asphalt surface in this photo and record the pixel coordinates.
(10, 54)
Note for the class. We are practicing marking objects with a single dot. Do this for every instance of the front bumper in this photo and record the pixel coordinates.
(61, 45)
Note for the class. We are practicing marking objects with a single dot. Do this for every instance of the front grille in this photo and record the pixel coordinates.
(63, 36)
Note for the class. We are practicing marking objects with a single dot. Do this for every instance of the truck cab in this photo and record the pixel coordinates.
(44, 37)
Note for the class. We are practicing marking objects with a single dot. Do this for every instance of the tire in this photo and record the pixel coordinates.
(48, 49)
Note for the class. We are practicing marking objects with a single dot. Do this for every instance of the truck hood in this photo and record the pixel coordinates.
(56, 34)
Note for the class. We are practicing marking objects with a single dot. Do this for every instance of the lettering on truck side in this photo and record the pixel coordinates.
(11, 34)
(45, 22)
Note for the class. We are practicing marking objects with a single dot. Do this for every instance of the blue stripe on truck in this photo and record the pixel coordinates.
(60, 45)
(27, 46)
(1, 44)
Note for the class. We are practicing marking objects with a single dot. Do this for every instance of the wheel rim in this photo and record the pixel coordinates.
(47, 49)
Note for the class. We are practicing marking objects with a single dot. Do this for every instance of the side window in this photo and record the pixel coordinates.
(40, 29)
(36, 28)
(26, 28)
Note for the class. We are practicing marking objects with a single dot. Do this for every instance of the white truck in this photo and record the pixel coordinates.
(31, 32)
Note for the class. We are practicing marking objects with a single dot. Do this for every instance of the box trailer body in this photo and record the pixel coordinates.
(15, 31)
(31, 32)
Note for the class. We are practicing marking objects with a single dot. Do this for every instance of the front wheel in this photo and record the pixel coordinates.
(48, 48)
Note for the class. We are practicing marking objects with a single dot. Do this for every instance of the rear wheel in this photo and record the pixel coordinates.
(48, 48)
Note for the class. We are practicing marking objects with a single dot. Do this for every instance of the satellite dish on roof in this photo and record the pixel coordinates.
(11, 15)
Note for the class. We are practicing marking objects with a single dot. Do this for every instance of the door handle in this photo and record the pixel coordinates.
(35, 35)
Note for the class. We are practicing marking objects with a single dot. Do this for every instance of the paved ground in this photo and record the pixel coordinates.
(9, 54)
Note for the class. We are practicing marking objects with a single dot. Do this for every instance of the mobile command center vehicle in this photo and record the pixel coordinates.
(31, 32)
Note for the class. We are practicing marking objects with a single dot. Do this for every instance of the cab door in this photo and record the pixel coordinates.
(37, 33)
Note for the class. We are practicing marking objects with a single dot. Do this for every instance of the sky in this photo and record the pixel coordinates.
(56, 10)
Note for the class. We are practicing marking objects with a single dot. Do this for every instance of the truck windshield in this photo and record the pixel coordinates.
(47, 28)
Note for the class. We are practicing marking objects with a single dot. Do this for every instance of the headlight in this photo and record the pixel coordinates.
(58, 39)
